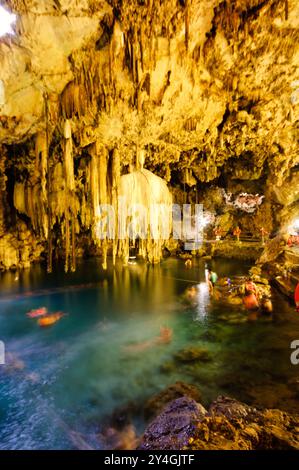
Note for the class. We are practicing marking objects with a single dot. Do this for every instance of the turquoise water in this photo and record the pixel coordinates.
(75, 374)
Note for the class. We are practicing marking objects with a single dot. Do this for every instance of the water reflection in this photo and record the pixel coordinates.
(89, 364)
(203, 301)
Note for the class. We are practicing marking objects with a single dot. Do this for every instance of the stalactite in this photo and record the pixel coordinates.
(286, 10)
(115, 186)
(141, 48)
(68, 164)
(94, 180)
(68, 156)
(103, 162)
(73, 100)
(48, 191)
(3, 179)
(67, 240)
(73, 258)
(152, 193)
(39, 202)
(187, 25)
(110, 63)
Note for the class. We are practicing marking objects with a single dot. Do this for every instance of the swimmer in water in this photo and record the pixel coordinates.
(37, 312)
(165, 335)
(191, 293)
(251, 304)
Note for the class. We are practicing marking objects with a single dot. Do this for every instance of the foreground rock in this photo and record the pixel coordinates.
(228, 424)
(155, 404)
(174, 427)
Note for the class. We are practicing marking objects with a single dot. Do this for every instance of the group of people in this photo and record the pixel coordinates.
(44, 318)
(293, 240)
(218, 232)
(254, 303)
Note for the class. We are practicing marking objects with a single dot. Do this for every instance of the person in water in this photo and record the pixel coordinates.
(250, 286)
(165, 335)
(191, 294)
(251, 304)
(266, 305)
(212, 279)
(188, 263)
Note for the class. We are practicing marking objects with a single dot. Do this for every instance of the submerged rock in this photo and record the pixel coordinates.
(192, 354)
(168, 367)
(155, 404)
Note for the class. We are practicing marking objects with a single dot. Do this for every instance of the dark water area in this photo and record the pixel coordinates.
(71, 376)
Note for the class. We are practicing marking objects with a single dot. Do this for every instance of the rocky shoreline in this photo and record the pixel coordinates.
(184, 424)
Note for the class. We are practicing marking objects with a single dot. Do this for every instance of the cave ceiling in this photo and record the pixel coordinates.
(208, 85)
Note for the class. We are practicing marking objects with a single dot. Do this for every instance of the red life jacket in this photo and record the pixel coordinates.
(250, 301)
(297, 297)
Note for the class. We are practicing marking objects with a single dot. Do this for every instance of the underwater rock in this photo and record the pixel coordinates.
(155, 404)
(168, 367)
(192, 354)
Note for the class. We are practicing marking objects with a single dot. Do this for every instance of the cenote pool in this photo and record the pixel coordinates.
(72, 376)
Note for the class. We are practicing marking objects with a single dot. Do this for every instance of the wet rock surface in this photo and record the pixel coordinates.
(227, 425)
(173, 428)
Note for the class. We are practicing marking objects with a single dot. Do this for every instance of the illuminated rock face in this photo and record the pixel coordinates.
(208, 90)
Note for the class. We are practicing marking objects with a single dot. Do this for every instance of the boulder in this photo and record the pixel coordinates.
(156, 403)
(174, 427)
(228, 425)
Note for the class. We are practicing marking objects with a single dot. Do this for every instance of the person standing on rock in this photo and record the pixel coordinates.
(237, 232)
(264, 233)
(212, 279)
